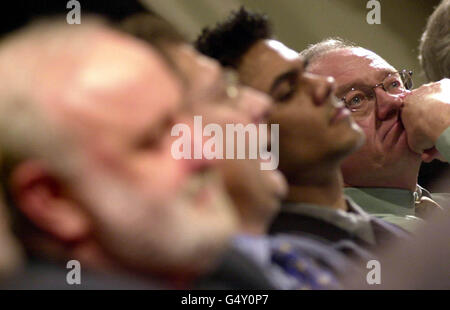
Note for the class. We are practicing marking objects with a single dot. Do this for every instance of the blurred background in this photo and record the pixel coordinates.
(301, 22)
(297, 23)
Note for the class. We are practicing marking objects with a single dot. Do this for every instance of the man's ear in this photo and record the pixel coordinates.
(42, 200)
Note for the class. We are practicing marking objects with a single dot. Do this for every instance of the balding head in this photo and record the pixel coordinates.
(72, 75)
(99, 104)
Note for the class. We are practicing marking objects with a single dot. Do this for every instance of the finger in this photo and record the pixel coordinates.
(413, 146)
(430, 155)
(427, 158)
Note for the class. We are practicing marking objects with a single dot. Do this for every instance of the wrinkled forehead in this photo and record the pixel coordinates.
(351, 63)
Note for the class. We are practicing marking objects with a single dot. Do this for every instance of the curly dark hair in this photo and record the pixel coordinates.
(229, 40)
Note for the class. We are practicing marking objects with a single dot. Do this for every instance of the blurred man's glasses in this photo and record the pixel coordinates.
(360, 100)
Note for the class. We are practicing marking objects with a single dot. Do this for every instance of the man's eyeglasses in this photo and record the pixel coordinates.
(359, 100)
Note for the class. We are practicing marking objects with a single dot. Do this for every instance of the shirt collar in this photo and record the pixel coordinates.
(356, 221)
(395, 201)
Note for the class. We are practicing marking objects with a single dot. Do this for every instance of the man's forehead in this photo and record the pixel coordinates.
(349, 58)
(185, 55)
(268, 50)
(282, 50)
(201, 72)
(119, 83)
(116, 63)
(350, 63)
(264, 60)
(373, 60)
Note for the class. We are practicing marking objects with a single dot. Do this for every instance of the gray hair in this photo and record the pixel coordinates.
(435, 44)
(313, 51)
(26, 126)
(27, 129)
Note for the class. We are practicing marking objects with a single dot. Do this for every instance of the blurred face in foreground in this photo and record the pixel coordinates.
(129, 203)
(315, 129)
(215, 94)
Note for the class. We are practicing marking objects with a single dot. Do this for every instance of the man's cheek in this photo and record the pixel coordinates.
(367, 128)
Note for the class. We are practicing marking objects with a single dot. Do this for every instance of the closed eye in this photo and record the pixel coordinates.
(152, 139)
(285, 86)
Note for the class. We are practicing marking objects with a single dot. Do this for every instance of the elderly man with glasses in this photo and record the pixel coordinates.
(402, 127)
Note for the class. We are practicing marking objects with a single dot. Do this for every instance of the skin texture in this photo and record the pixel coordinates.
(385, 160)
(426, 114)
(312, 140)
(257, 195)
(128, 204)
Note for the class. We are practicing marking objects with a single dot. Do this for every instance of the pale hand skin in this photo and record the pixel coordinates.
(426, 115)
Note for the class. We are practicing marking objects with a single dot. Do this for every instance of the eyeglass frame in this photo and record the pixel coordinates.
(402, 73)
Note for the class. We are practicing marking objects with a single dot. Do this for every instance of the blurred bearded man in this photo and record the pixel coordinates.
(86, 116)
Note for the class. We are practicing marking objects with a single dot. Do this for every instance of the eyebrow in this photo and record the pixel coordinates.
(153, 130)
(359, 83)
(282, 78)
(295, 72)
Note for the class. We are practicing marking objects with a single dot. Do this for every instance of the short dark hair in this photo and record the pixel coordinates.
(229, 40)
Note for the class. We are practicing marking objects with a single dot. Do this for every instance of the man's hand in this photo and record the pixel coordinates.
(425, 115)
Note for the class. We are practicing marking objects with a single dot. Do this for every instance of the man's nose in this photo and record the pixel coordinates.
(387, 105)
(256, 105)
(319, 87)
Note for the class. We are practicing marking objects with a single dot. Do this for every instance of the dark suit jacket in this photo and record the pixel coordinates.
(290, 222)
(235, 271)
(44, 275)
